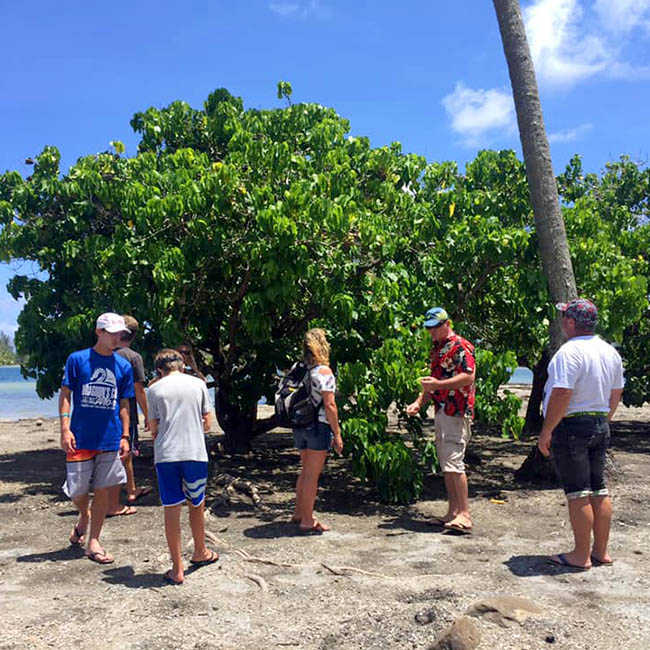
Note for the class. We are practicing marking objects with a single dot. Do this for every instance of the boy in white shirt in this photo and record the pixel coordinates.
(179, 416)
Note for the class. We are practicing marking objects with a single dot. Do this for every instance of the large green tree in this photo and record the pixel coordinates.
(238, 229)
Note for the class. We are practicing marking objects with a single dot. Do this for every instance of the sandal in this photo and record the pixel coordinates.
(316, 529)
(76, 536)
(167, 577)
(211, 560)
(139, 493)
(101, 557)
(124, 512)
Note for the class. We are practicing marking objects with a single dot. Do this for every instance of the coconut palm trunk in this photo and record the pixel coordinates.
(551, 233)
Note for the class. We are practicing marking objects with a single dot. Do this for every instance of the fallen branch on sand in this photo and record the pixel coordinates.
(231, 484)
(260, 560)
(258, 580)
(347, 570)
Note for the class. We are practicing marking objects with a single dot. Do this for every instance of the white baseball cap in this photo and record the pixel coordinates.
(112, 323)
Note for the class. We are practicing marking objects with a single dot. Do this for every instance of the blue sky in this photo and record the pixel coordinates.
(430, 75)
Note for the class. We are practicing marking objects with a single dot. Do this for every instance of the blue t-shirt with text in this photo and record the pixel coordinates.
(98, 383)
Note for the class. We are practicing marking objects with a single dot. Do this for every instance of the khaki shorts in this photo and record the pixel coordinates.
(452, 436)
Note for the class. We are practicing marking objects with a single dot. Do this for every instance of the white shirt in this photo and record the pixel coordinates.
(590, 367)
(321, 384)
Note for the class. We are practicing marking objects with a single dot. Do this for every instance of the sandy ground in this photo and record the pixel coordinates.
(417, 580)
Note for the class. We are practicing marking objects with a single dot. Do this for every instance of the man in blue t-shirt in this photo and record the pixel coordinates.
(95, 436)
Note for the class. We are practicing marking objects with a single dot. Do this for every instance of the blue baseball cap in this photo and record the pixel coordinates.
(435, 316)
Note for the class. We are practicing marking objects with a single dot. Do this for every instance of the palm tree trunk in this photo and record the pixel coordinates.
(551, 234)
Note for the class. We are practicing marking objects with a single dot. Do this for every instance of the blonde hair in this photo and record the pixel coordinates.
(315, 344)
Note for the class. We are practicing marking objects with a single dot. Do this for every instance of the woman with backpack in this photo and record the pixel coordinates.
(315, 440)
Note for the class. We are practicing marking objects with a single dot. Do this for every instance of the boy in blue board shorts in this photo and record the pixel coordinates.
(179, 415)
(95, 434)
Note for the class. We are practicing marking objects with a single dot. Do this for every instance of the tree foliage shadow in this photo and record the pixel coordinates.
(273, 467)
(60, 555)
(630, 436)
(43, 470)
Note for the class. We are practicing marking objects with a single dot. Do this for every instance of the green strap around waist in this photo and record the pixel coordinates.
(579, 413)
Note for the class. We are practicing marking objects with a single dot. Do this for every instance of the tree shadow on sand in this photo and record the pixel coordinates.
(61, 555)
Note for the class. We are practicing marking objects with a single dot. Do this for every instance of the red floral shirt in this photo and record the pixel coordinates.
(448, 359)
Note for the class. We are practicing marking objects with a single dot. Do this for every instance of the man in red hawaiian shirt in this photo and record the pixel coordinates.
(451, 387)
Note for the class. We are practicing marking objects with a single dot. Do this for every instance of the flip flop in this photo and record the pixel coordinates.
(211, 560)
(598, 562)
(458, 527)
(79, 535)
(437, 521)
(139, 493)
(125, 512)
(316, 529)
(101, 557)
(167, 577)
(560, 560)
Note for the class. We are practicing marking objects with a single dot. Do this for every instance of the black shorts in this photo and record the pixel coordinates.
(578, 449)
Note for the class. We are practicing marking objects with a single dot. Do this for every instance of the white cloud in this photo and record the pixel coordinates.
(623, 15)
(284, 8)
(570, 41)
(299, 9)
(562, 52)
(475, 113)
(569, 135)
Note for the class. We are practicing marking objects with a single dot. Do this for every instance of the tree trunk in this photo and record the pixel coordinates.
(239, 425)
(549, 224)
(534, 417)
(551, 234)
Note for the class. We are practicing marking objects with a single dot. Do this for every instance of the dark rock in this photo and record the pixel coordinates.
(462, 634)
(426, 616)
(550, 638)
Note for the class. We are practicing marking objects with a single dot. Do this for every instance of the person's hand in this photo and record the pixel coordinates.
(337, 444)
(146, 425)
(68, 442)
(429, 384)
(125, 448)
(413, 408)
(544, 443)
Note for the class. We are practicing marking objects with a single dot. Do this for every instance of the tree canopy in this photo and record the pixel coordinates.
(236, 229)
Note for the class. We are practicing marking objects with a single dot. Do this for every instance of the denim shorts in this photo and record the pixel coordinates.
(578, 449)
(318, 437)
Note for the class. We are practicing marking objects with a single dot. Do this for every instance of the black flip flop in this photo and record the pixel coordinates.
(80, 537)
(169, 580)
(211, 560)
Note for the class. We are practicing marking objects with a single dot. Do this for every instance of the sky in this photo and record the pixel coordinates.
(431, 75)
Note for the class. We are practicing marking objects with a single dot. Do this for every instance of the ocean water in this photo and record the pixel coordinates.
(18, 398)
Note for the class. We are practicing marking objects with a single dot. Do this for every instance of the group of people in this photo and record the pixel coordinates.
(106, 383)
(101, 390)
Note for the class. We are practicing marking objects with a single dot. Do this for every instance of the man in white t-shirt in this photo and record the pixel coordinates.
(584, 387)
(179, 416)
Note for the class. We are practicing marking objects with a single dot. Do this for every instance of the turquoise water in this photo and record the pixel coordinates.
(18, 398)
